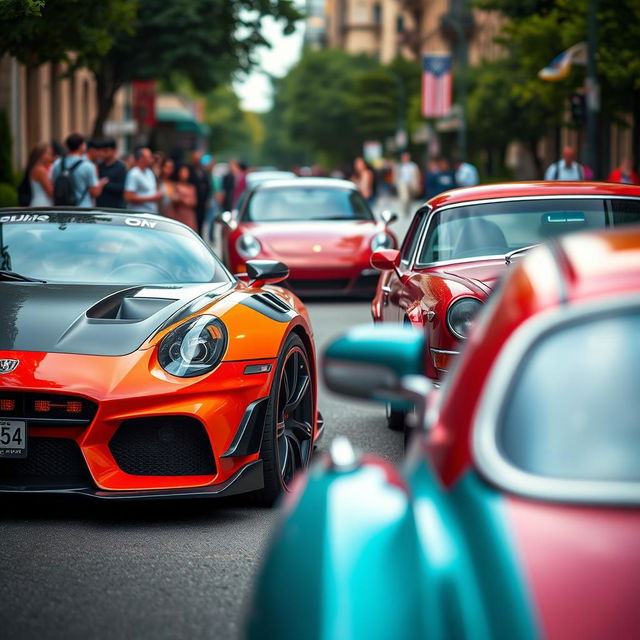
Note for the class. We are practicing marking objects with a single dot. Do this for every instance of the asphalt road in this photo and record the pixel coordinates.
(74, 568)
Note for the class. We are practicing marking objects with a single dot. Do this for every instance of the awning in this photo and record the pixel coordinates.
(183, 120)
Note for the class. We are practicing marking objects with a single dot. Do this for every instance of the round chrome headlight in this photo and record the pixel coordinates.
(461, 314)
(248, 246)
(194, 348)
(381, 240)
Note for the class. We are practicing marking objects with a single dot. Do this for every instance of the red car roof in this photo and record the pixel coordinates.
(525, 189)
(600, 263)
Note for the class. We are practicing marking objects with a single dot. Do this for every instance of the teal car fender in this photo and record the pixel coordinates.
(340, 559)
(362, 553)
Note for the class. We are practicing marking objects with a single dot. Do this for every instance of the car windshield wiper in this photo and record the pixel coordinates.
(17, 277)
(515, 252)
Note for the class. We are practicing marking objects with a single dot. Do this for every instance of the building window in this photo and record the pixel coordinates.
(377, 13)
(400, 24)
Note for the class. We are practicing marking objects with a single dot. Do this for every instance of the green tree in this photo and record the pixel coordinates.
(35, 32)
(204, 41)
(537, 30)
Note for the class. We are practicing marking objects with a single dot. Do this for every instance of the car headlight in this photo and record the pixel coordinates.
(248, 246)
(381, 240)
(461, 314)
(194, 348)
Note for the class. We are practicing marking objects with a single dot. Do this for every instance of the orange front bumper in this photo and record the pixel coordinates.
(134, 387)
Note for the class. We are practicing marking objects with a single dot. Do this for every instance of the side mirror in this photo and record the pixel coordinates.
(226, 218)
(388, 217)
(381, 363)
(261, 272)
(386, 260)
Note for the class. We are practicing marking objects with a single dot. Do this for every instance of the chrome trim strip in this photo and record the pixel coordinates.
(488, 458)
(426, 227)
(451, 353)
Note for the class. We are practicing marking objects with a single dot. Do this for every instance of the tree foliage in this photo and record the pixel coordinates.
(536, 31)
(35, 31)
(204, 41)
(332, 101)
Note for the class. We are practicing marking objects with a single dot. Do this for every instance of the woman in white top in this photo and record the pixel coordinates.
(40, 161)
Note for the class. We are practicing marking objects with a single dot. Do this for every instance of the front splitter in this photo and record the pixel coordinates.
(249, 478)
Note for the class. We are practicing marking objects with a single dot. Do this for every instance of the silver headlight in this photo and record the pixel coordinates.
(194, 348)
(461, 314)
(381, 240)
(248, 246)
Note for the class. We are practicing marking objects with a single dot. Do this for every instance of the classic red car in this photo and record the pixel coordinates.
(460, 243)
(321, 227)
(516, 513)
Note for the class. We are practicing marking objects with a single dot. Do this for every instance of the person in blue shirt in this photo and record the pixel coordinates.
(84, 176)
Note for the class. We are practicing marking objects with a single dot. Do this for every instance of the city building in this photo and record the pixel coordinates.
(47, 103)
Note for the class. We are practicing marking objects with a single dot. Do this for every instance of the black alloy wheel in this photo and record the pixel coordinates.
(288, 436)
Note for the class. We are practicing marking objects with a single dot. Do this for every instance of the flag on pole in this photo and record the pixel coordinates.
(560, 66)
(436, 85)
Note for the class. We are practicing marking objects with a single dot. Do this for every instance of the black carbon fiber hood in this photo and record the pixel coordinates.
(106, 320)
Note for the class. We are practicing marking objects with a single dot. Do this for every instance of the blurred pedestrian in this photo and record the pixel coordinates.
(408, 182)
(624, 173)
(115, 171)
(364, 178)
(94, 152)
(225, 195)
(240, 171)
(167, 187)
(75, 178)
(185, 198)
(199, 178)
(141, 191)
(466, 174)
(440, 176)
(36, 188)
(566, 168)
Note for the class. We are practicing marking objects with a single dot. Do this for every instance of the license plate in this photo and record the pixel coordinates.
(13, 438)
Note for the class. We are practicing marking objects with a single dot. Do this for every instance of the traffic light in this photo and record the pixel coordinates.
(578, 106)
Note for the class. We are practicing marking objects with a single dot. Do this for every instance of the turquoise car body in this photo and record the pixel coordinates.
(363, 550)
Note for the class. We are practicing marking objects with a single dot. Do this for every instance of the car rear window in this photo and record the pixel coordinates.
(578, 417)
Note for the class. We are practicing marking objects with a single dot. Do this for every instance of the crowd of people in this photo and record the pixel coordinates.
(90, 173)
(406, 180)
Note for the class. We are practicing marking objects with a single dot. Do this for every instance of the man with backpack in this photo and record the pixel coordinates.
(75, 179)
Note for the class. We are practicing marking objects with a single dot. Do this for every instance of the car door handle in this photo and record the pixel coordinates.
(385, 294)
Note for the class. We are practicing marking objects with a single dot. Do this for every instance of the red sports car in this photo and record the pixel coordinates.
(320, 227)
(460, 243)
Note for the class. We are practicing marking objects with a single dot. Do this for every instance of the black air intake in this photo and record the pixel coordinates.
(165, 446)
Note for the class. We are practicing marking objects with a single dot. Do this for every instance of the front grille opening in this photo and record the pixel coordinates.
(50, 463)
(163, 446)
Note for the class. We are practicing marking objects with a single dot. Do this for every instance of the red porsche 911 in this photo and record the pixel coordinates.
(460, 243)
(320, 227)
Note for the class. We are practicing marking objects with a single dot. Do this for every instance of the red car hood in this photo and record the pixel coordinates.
(331, 238)
(582, 565)
(483, 274)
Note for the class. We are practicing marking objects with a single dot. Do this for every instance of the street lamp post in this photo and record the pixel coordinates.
(592, 89)
(401, 132)
(455, 21)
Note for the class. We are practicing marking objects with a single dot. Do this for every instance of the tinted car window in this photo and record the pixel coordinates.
(498, 228)
(306, 203)
(577, 417)
(104, 250)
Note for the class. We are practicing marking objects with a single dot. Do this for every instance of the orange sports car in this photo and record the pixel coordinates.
(134, 365)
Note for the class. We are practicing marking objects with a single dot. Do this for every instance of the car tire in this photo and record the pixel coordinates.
(395, 419)
(287, 442)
